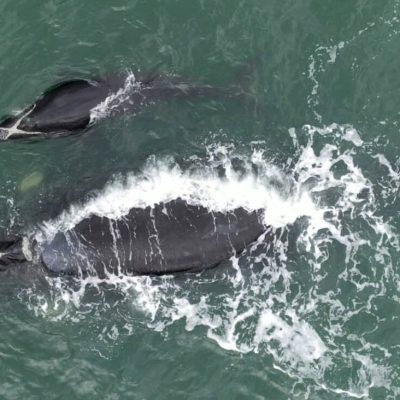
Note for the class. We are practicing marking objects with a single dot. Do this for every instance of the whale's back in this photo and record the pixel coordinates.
(65, 107)
(167, 238)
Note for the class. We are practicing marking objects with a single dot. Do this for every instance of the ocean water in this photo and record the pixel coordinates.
(308, 130)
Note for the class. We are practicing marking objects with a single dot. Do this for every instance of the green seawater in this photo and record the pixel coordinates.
(312, 124)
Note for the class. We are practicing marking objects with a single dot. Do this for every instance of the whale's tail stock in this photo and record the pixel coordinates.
(13, 250)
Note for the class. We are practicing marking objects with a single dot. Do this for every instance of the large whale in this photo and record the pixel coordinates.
(166, 238)
(74, 105)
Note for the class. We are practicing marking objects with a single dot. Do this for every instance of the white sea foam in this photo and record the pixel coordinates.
(298, 340)
(163, 181)
(115, 100)
(270, 302)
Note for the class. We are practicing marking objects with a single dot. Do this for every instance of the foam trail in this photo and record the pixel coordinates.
(115, 100)
(163, 181)
(282, 299)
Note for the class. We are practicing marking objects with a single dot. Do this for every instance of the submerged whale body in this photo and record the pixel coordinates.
(70, 106)
(167, 238)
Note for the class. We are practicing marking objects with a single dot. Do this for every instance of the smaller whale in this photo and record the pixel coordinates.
(64, 108)
(75, 105)
(167, 238)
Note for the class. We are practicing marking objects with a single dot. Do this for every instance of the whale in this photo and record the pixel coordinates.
(76, 105)
(166, 238)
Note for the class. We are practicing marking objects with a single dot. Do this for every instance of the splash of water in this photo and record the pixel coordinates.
(115, 100)
(285, 298)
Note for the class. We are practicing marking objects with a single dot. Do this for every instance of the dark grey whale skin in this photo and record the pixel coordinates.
(165, 239)
(66, 108)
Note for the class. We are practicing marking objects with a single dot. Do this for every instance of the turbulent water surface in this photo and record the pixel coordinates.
(303, 124)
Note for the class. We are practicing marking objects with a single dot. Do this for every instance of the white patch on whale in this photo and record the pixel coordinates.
(7, 133)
